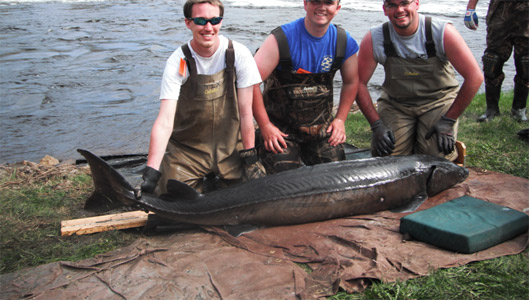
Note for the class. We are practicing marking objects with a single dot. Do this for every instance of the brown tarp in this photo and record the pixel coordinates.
(209, 263)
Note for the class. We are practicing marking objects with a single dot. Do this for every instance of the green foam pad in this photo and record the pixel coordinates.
(465, 224)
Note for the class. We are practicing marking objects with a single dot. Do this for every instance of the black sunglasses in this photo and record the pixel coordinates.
(203, 21)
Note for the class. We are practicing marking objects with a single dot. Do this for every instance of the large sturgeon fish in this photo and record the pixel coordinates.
(306, 194)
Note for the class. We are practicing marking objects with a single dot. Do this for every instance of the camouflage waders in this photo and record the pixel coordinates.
(507, 28)
(300, 105)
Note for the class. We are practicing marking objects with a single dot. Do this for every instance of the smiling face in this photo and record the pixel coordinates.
(403, 14)
(320, 13)
(205, 37)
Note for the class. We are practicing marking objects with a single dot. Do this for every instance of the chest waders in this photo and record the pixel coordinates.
(416, 93)
(301, 106)
(206, 134)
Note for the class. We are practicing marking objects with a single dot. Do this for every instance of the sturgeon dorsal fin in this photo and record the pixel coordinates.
(179, 191)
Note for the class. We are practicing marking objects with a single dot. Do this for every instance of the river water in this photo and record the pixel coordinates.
(86, 74)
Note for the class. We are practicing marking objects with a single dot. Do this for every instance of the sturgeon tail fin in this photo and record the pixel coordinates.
(111, 189)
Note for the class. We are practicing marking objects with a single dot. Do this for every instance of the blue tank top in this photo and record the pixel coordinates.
(314, 54)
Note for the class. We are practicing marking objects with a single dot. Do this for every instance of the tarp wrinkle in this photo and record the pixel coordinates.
(213, 284)
(110, 287)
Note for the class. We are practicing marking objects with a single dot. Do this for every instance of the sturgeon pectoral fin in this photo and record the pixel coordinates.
(238, 230)
(412, 205)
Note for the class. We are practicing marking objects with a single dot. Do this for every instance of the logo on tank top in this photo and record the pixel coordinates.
(326, 63)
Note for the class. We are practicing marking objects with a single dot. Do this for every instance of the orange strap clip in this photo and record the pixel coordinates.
(302, 71)
(182, 68)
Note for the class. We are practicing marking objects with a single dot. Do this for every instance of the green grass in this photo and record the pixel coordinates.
(495, 145)
(34, 202)
(501, 278)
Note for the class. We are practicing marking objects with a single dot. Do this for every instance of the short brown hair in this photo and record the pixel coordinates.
(188, 6)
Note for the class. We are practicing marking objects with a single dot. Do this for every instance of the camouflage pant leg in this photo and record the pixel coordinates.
(301, 149)
(320, 151)
(507, 28)
(275, 163)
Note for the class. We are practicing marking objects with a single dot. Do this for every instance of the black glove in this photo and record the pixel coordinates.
(252, 167)
(150, 180)
(445, 134)
(383, 141)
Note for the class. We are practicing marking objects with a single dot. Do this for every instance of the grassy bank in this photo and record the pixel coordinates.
(35, 199)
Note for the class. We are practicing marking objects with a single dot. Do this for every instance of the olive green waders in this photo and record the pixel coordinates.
(206, 136)
(416, 93)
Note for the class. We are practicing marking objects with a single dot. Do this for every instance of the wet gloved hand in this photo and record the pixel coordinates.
(383, 140)
(471, 19)
(150, 180)
(445, 134)
(252, 167)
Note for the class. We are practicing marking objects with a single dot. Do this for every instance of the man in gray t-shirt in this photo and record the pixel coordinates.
(421, 97)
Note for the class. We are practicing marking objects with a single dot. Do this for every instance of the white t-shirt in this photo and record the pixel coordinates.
(245, 68)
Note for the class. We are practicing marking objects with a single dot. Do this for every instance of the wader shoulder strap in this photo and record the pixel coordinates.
(191, 66)
(429, 44)
(284, 51)
(389, 49)
(285, 60)
(230, 58)
(341, 45)
(230, 68)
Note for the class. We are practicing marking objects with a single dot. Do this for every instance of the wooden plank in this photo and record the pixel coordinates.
(104, 223)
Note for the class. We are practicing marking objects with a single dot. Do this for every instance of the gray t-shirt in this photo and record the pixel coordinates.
(410, 46)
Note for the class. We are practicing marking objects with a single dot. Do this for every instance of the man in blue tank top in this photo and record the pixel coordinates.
(297, 62)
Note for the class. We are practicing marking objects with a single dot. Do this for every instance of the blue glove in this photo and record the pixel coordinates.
(471, 19)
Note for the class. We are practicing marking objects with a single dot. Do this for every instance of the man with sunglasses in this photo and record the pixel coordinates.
(294, 113)
(204, 128)
(421, 98)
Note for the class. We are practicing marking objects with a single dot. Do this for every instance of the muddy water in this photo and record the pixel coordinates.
(87, 74)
